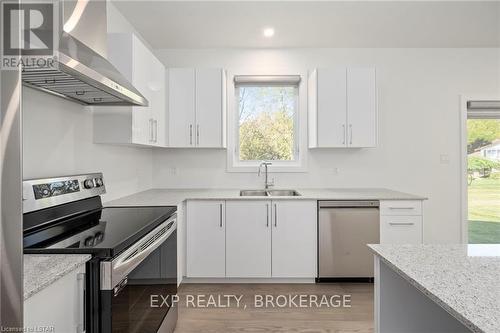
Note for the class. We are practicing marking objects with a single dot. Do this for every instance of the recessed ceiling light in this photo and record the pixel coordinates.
(268, 32)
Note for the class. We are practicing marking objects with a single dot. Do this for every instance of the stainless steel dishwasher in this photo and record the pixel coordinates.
(344, 229)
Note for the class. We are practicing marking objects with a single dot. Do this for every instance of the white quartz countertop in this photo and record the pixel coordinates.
(41, 270)
(464, 280)
(172, 197)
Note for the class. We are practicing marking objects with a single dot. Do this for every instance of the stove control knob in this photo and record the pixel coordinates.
(99, 236)
(88, 183)
(98, 182)
(89, 241)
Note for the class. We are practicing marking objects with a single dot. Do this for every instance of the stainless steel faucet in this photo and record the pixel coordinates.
(267, 183)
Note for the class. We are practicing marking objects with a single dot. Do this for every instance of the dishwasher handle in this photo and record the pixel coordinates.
(349, 204)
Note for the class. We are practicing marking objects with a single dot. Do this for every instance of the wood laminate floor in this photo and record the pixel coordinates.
(204, 316)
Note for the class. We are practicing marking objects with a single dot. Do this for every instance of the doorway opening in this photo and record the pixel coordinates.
(483, 172)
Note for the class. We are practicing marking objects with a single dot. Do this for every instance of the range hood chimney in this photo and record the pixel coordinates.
(83, 74)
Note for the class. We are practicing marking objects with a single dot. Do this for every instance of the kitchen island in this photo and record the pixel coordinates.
(437, 288)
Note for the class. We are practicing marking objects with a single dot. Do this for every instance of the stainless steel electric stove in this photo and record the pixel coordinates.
(134, 251)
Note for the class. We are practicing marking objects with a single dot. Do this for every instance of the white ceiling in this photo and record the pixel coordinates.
(239, 24)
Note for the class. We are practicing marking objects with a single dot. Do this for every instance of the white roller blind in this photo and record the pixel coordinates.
(483, 109)
(256, 80)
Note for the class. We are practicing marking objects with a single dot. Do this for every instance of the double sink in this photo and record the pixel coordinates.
(269, 193)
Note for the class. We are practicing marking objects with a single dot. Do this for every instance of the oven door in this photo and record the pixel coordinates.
(138, 287)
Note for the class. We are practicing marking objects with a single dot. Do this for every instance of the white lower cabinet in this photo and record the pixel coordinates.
(206, 239)
(259, 239)
(401, 222)
(294, 239)
(401, 229)
(60, 306)
(248, 239)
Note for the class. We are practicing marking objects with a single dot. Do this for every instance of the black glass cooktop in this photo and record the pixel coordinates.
(105, 232)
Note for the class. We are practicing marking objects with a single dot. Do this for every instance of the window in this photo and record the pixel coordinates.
(483, 172)
(266, 123)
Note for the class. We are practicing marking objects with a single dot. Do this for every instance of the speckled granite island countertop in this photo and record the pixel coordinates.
(463, 279)
(41, 270)
(173, 197)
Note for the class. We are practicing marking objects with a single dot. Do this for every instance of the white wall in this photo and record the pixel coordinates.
(418, 121)
(58, 140)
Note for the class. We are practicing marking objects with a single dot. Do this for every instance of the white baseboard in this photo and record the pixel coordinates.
(248, 280)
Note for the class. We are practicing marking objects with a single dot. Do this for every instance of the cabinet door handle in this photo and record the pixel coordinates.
(150, 129)
(191, 134)
(401, 223)
(350, 137)
(156, 130)
(197, 134)
(345, 134)
(220, 214)
(275, 215)
(402, 208)
(267, 215)
(81, 302)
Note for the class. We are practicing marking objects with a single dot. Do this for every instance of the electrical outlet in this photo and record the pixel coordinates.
(174, 171)
(444, 159)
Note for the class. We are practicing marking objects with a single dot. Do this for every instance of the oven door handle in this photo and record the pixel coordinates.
(82, 303)
(112, 272)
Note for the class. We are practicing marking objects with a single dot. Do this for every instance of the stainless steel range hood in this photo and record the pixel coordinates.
(83, 74)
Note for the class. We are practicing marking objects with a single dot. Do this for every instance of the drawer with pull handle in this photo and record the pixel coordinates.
(401, 229)
(401, 207)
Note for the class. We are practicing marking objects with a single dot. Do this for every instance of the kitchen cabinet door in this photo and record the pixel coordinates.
(205, 251)
(157, 86)
(331, 108)
(248, 239)
(361, 108)
(137, 125)
(401, 207)
(60, 305)
(401, 222)
(142, 124)
(294, 238)
(401, 229)
(209, 107)
(181, 107)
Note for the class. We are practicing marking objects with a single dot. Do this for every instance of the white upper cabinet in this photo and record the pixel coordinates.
(329, 87)
(361, 107)
(181, 107)
(196, 107)
(142, 125)
(209, 107)
(342, 108)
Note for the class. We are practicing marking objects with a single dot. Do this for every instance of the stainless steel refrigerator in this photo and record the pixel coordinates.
(11, 247)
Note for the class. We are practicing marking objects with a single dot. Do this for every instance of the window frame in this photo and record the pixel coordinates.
(299, 164)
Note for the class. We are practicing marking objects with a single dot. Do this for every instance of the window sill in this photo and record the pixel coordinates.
(271, 169)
